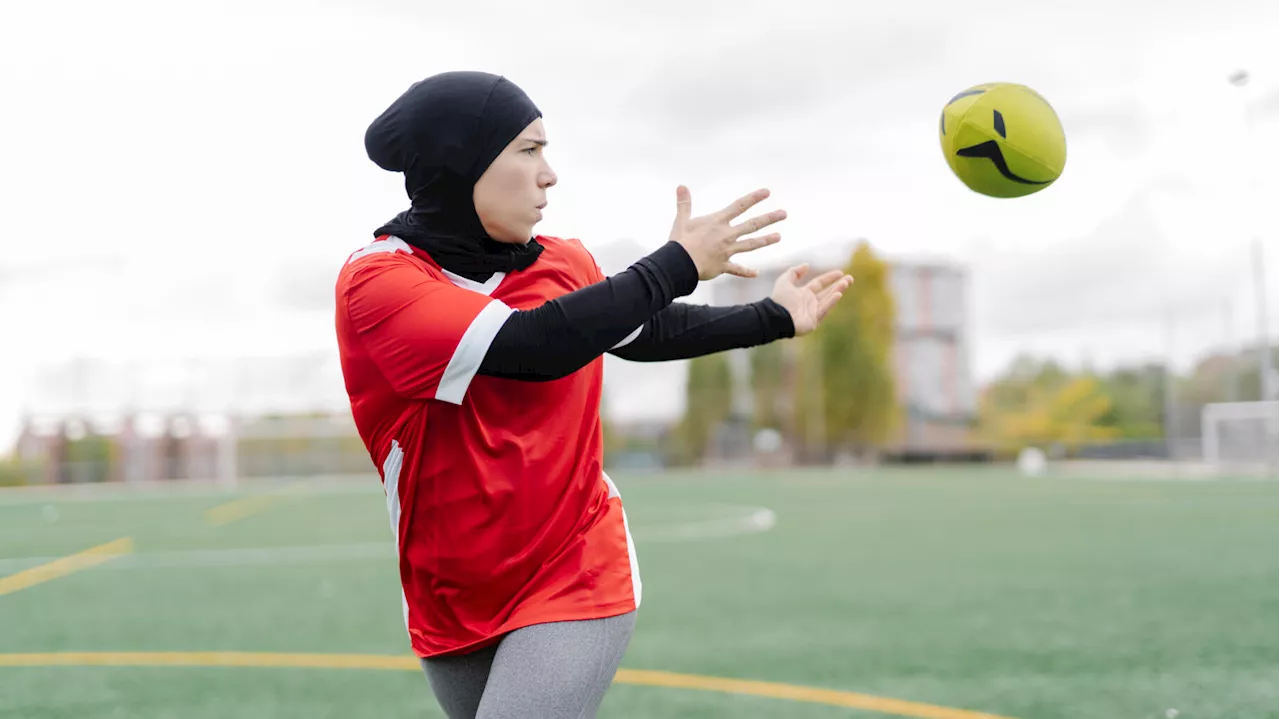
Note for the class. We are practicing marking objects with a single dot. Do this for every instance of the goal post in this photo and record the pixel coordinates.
(1240, 433)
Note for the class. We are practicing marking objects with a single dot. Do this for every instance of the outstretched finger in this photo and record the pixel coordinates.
(755, 224)
(742, 204)
(824, 280)
(684, 203)
(796, 273)
(837, 287)
(754, 243)
(827, 304)
(737, 270)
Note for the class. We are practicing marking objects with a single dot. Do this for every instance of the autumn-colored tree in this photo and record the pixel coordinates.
(1038, 404)
(845, 385)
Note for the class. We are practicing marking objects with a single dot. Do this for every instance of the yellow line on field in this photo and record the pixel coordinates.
(770, 690)
(66, 565)
(210, 659)
(246, 506)
(238, 509)
(810, 695)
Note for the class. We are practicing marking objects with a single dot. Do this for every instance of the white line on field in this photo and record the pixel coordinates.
(179, 490)
(754, 521)
(240, 556)
(758, 519)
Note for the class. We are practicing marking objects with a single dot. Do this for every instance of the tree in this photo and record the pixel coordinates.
(1137, 401)
(845, 382)
(1039, 403)
(767, 384)
(611, 441)
(1068, 414)
(708, 401)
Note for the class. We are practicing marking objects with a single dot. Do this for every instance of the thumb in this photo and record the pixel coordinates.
(797, 272)
(684, 203)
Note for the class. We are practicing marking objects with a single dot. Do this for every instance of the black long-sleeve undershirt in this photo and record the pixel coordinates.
(567, 333)
(683, 331)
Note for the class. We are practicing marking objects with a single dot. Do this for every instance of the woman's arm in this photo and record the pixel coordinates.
(683, 330)
(567, 333)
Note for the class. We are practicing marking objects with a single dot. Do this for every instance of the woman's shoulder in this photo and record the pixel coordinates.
(569, 244)
(567, 247)
(386, 259)
(574, 253)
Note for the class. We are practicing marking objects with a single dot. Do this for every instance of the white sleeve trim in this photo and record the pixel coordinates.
(471, 351)
(629, 338)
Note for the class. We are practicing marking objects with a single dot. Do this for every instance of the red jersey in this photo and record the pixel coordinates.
(500, 508)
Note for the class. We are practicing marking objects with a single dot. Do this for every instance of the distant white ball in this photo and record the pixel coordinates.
(768, 441)
(1032, 462)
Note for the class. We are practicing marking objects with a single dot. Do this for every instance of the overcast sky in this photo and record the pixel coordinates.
(184, 179)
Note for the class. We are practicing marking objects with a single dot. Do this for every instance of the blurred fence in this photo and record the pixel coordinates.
(1234, 439)
(186, 447)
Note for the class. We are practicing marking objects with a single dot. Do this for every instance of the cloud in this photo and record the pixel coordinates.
(306, 286)
(1120, 273)
(1264, 107)
(780, 74)
(1123, 125)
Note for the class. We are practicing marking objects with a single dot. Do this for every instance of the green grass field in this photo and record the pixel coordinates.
(1030, 599)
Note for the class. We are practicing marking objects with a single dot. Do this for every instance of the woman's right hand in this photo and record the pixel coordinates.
(712, 242)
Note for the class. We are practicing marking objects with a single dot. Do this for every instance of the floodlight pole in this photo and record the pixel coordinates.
(1266, 380)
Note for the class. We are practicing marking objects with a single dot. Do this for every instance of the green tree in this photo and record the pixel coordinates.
(767, 382)
(1039, 403)
(1137, 401)
(611, 441)
(1069, 413)
(846, 380)
(708, 401)
(89, 458)
(1026, 376)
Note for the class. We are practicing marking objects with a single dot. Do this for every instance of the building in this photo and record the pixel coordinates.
(931, 353)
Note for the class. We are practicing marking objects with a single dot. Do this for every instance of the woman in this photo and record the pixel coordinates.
(472, 355)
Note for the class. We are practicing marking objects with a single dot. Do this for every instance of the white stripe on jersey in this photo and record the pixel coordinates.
(636, 584)
(470, 352)
(391, 483)
(391, 244)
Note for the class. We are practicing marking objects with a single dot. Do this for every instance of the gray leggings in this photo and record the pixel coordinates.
(559, 670)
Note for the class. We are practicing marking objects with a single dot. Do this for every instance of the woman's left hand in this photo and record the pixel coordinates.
(809, 302)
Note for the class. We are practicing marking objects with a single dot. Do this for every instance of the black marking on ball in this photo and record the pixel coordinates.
(999, 122)
(966, 93)
(942, 121)
(991, 151)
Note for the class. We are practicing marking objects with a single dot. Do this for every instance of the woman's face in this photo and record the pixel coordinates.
(511, 193)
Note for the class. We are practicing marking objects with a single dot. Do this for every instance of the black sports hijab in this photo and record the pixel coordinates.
(443, 133)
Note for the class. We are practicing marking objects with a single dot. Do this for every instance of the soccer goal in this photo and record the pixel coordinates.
(1240, 434)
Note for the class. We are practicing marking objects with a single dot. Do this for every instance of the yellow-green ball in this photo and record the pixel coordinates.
(1003, 140)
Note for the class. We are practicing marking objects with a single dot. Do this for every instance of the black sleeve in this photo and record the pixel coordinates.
(685, 330)
(567, 333)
